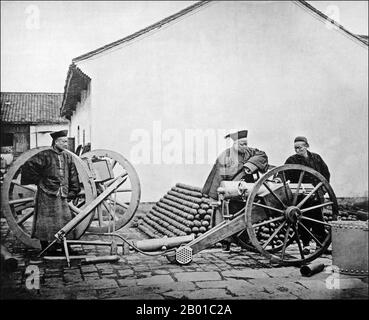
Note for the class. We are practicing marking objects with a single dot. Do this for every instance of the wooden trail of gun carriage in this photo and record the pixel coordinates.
(269, 220)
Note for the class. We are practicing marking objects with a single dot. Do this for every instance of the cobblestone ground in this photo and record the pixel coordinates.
(213, 274)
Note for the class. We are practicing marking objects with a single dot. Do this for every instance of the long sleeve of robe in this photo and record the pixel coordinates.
(313, 161)
(55, 175)
(230, 166)
(53, 172)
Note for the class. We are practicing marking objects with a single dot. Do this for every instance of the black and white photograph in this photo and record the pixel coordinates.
(199, 153)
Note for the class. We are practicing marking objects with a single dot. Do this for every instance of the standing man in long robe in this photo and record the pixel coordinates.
(235, 163)
(55, 175)
(313, 160)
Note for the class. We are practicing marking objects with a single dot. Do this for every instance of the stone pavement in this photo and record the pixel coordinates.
(213, 274)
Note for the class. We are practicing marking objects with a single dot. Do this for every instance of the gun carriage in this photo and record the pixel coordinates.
(270, 215)
(267, 216)
(104, 175)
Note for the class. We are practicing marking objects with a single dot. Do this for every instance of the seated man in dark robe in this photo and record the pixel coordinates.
(313, 160)
(55, 175)
(240, 162)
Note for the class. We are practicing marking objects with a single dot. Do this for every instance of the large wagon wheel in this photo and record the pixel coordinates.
(294, 212)
(275, 245)
(18, 200)
(243, 239)
(118, 209)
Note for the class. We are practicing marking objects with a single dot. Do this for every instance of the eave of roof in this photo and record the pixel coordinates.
(34, 123)
(76, 81)
(339, 26)
(154, 26)
(185, 11)
(364, 38)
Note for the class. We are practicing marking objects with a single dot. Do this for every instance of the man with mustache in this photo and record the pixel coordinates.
(55, 175)
(235, 163)
(313, 160)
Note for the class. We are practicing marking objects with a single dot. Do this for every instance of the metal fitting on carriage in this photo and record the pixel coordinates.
(243, 188)
(60, 235)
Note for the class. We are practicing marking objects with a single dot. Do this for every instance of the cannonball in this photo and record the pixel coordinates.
(187, 230)
(197, 223)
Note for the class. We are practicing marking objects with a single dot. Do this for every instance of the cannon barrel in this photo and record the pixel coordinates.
(157, 244)
(10, 263)
(234, 189)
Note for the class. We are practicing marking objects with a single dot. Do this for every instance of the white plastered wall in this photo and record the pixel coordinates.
(40, 134)
(273, 68)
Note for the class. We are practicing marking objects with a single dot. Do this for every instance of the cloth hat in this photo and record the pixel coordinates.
(237, 135)
(301, 138)
(58, 134)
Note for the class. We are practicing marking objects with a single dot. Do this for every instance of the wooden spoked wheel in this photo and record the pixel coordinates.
(295, 210)
(18, 200)
(118, 209)
(242, 239)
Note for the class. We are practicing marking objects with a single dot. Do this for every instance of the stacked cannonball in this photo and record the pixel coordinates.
(184, 210)
(328, 217)
(263, 233)
(342, 215)
(346, 213)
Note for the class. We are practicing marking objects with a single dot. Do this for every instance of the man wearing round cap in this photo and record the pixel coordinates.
(305, 157)
(56, 177)
(235, 163)
(313, 160)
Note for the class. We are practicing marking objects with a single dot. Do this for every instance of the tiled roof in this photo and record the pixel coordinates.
(31, 107)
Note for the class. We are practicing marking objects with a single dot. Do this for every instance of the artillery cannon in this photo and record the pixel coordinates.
(108, 201)
(270, 215)
(267, 216)
(98, 172)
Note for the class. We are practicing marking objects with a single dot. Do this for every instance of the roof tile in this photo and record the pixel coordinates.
(31, 107)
